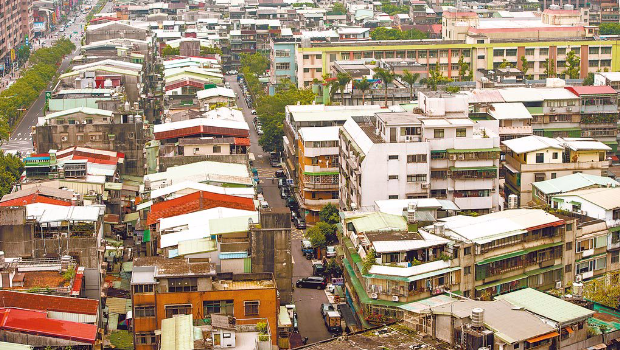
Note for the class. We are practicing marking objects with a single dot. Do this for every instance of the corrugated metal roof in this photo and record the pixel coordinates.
(502, 111)
(177, 333)
(197, 186)
(194, 246)
(55, 213)
(118, 305)
(573, 182)
(85, 110)
(378, 221)
(547, 306)
(606, 198)
(532, 143)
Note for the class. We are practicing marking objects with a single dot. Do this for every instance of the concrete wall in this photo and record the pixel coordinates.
(15, 234)
(35, 340)
(83, 249)
(270, 249)
(128, 138)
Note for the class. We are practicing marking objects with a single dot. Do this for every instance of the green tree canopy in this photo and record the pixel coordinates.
(329, 214)
(393, 9)
(255, 63)
(316, 236)
(363, 86)
(383, 33)
(573, 65)
(11, 168)
(410, 79)
(170, 51)
(589, 80)
(387, 77)
(609, 28)
(338, 9)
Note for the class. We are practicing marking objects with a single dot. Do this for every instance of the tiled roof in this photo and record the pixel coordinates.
(33, 198)
(37, 323)
(46, 303)
(197, 201)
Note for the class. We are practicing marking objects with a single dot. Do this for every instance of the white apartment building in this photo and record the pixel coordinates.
(407, 155)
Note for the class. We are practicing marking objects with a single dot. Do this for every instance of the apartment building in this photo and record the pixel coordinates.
(283, 64)
(162, 288)
(17, 22)
(598, 109)
(406, 155)
(536, 158)
(318, 57)
(318, 169)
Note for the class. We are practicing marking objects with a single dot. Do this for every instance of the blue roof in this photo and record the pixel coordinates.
(234, 255)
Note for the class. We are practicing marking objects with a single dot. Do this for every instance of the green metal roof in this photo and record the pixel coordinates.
(535, 110)
(591, 257)
(543, 270)
(544, 246)
(502, 281)
(561, 129)
(378, 221)
(477, 168)
(496, 149)
(547, 306)
(573, 182)
(501, 257)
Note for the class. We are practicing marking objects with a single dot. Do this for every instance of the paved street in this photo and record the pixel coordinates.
(308, 301)
(20, 139)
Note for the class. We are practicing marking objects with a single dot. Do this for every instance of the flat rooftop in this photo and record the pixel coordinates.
(399, 118)
(175, 267)
(238, 285)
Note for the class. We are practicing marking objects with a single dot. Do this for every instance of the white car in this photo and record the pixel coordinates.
(331, 251)
(253, 112)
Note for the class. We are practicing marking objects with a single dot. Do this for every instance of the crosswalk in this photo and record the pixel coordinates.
(297, 234)
(264, 172)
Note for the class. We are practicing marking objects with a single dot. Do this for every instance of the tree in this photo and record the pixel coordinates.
(328, 230)
(343, 81)
(410, 79)
(452, 89)
(609, 29)
(363, 86)
(604, 290)
(463, 69)
(435, 78)
(317, 237)
(368, 261)
(505, 64)
(338, 9)
(573, 64)
(524, 65)
(550, 67)
(329, 214)
(170, 51)
(393, 9)
(11, 168)
(383, 33)
(206, 50)
(332, 268)
(271, 110)
(589, 80)
(255, 62)
(386, 77)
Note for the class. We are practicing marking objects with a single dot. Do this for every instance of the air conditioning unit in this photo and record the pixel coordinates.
(374, 295)
(578, 278)
(558, 285)
(64, 138)
(394, 297)
(425, 185)
(452, 157)
(552, 109)
(569, 109)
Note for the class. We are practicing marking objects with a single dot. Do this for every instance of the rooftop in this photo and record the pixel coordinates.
(606, 198)
(43, 302)
(327, 133)
(187, 186)
(547, 306)
(38, 323)
(389, 337)
(206, 171)
(591, 90)
(301, 113)
(574, 182)
(532, 143)
(378, 222)
(503, 111)
(399, 118)
(165, 267)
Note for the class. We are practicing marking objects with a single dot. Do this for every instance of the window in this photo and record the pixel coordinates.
(569, 227)
(393, 157)
(145, 311)
(568, 268)
(461, 132)
(283, 53)
(393, 177)
(393, 196)
(615, 257)
(283, 66)
(306, 70)
(606, 50)
(217, 149)
(498, 53)
(221, 307)
(251, 307)
(179, 309)
(594, 50)
(416, 158)
(529, 52)
(511, 52)
(569, 246)
(226, 335)
(439, 155)
(561, 51)
(601, 263)
(544, 52)
(416, 178)
(467, 251)
(592, 63)
(145, 338)
(539, 177)
(555, 155)
(306, 57)
(182, 284)
(439, 133)
(585, 245)
(540, 158)
(467, 270)
(143, 288)
(554, 175)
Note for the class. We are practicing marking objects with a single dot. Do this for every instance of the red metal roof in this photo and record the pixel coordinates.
(37, 323)
(91, 155)
(197, 201)
(33, 198)
(46, 303)
(591, 90)
(242, 141)
(76, 289)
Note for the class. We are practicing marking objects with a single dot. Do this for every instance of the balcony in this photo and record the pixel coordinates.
(544, 167)
(315, 169)
(319, 203)
(472, 203)
(321, 186)
(320, 151)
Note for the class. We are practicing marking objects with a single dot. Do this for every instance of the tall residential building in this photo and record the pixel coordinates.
(407, 155)
(16, 21)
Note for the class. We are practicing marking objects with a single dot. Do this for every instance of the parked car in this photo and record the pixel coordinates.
(330, 251)
(311, 282)
(326, 307)
(333, 321)
(306, 246)
(300, 223)
(318, 269)
(254, 112)
(284, 192)
(259, 130)
(280, 174)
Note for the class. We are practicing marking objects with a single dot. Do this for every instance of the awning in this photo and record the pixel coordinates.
(502, 281)
(438, 151)
(543, 337)
(475, 168)
(598, 346)
(510, 168)
(544, 246)
(501, 257)
(568, 329)
(472, 150)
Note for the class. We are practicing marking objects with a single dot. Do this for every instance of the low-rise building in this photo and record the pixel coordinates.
(536, 158)
(543, 191)
(162, 288)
